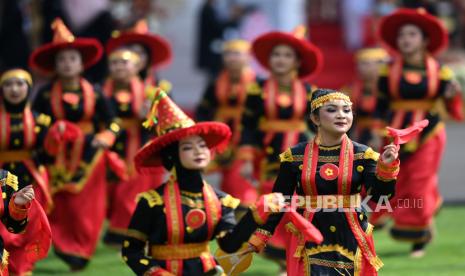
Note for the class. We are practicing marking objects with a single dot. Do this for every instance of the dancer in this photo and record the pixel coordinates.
(330, 171)
(178, 219)
(14, 211)
(363, 92)
(126, 91)
(77, 181)
(274, 115)
(224, 101)
(23, 133)
(408, 91)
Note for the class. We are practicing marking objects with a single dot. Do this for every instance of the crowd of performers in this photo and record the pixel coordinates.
(80, 153)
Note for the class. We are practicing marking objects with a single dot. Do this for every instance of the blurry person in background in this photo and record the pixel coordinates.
(126, 91)
(362, 92)
(274, 114)
(23, 133)
(223, 101)
(408, 90)
(87, 120)
(84, 18)
(153, 50)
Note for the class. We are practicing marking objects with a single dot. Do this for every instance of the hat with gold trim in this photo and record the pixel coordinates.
(171, 124)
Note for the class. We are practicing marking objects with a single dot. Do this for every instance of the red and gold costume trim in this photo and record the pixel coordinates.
(175, 223)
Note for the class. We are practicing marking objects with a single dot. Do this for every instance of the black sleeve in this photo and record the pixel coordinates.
(106, 112)
(231, 240)
(41, 102)
(139, 230)
(254, 110)
(382, 100)
(42, 126)
(11, 224)
(286, 184)
(374, 185)
(207, 107)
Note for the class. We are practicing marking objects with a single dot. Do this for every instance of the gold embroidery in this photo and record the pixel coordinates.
(383, 70)
(446, 73)
(44, 120)
(152, 197)
(360, 168)
(330, 248)
(132, 233)
(334, 264)
(371, 154)
(191, 194)
(329, 148)
(230, 202)
(165, 85)
(254, 89)
(286, 156)
(12, 181)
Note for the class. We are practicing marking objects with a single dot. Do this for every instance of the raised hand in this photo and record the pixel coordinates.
(24, 196)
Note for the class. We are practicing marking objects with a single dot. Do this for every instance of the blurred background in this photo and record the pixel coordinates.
(197, 28)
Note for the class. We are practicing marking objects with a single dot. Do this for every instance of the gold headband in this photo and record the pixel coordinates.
(16, 73)
(236, 45)
(320, 101)
(371, 54)
(124, 54)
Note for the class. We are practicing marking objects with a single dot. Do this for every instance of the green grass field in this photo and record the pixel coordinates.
(445, 256)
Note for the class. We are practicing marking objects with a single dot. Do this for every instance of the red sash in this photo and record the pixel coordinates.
(223, 89)
(65, 161)
(299, 105)
(175, 221)
(395, 76)
(344, 183)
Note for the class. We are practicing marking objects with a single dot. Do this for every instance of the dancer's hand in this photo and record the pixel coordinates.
(24, 196)
(390, 153)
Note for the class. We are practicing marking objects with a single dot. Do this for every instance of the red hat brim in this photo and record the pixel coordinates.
(311, 58)
(160, 49)
(216, 136)
(389, 28)
(43, 58)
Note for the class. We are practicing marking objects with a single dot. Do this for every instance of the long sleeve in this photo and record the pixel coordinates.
(14, 217)
(379, 178)
(208, 106)
(106, 114)
(137, 236)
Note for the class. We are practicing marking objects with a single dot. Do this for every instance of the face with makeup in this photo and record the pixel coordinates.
(368, 69)
(194, 153)
(333, 118)
(283, 60)
(411, 39)
(68, 63)
(15, 90)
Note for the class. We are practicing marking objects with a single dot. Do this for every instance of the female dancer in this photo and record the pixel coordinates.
(23, 133)
(330, 171)
(408, 91)
(77, 181)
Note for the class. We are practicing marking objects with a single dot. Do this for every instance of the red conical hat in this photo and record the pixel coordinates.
(43, 58)
(172, 124)
(160, 49)
(311, 58)
(389, 28)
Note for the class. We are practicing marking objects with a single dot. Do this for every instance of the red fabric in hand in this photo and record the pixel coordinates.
(310, 232)
(402, 136)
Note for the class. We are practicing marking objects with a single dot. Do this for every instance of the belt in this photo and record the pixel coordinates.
(227, 112)
(128, 123)
(179, 251)
(282, 125)
(412, 105)
(15, 155)
(87, 127)
(331, 201)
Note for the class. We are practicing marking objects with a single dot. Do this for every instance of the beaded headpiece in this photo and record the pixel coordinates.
(320, 101)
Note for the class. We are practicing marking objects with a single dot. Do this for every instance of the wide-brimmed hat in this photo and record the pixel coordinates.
(390, 25)
(42, 59)
(171, 124)
(160, 49)
(311, 58)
